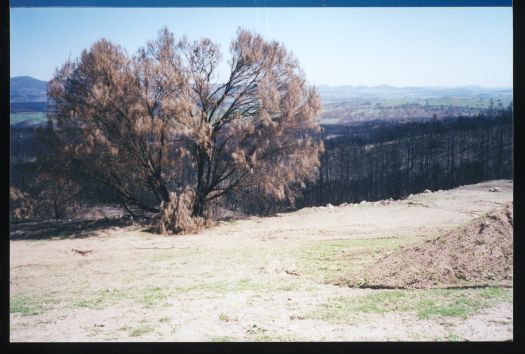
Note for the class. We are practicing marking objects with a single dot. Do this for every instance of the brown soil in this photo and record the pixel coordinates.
(479, 253)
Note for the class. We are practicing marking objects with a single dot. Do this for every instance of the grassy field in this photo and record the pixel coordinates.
(474, 102)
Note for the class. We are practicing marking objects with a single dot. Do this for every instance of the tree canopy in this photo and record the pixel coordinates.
(160, 127)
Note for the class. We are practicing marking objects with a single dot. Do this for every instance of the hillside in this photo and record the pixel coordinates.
(27, 89)
(257, 279)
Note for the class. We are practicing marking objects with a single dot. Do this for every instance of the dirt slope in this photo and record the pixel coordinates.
(479, 253)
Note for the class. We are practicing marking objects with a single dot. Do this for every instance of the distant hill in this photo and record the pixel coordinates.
(333, 93)
(27, 89)
(341, 104)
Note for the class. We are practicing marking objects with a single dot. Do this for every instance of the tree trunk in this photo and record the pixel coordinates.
(198, 206)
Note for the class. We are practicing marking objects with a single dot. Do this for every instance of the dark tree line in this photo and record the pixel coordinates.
(368, 161)
(379, 160)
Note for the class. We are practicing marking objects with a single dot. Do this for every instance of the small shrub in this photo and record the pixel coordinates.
(21, 205)
(176, 214)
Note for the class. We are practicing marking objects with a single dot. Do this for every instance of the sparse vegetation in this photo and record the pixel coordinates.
(140, 331)
(330, 261)
(260, 271)
(155, 297)
(256, 330)
(100, 299)
(423, 303)
(223, 317)
(31, 305)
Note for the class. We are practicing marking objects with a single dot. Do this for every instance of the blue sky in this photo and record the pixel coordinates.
(335, 46)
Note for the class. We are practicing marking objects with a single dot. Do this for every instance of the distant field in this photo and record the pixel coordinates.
(37, 117)
(474, 102)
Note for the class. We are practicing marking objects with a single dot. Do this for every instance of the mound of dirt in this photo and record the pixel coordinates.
(479, 253)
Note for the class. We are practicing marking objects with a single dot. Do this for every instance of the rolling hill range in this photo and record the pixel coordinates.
(353, 104)
(341, 104)
(385, 92)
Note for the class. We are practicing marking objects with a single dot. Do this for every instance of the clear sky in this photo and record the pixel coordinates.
(335, 46)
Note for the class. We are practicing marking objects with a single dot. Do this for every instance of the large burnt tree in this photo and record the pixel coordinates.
(162, 123)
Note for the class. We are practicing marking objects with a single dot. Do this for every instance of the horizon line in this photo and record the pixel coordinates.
(362, 85)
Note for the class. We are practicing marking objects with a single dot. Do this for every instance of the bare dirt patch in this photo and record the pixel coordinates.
(479, 253)
(258, 279)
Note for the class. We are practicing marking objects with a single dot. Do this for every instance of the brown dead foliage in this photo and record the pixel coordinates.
(477, 254)
(147, 125)
(176, 215)
(21, 205)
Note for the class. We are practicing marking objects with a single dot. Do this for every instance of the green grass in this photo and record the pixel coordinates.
(336, 259)
(147, 297)
(31, 305)
(318, 260)
(100, 299)
(423, 303)
(155, 296)
(140, 331)
(36, 117)
(239, 285)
